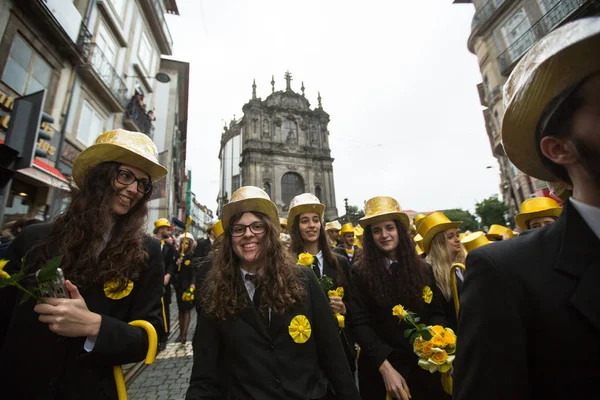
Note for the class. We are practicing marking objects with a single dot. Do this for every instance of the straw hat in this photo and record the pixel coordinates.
(433, 224)
(304, 203)
(474, 240)
(383, 208)
(419, 241)
(347, 228)
(187, 235)
(283, 222)
(249, 199)
(537, 207)
(335, 225)
(554, 65)
(159, 223)
(496, 231)
(418, 219)
(217, 228)
(131, 148)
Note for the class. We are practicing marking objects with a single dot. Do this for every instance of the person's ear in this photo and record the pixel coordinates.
(559, 150)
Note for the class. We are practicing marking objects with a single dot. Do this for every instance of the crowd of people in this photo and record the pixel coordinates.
(303, 308)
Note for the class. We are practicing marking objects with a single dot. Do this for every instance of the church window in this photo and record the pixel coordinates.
(290, 129)
(292, 184)
(318, 193)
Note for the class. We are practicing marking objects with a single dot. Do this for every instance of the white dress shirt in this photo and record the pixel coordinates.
(250, 288)
(319, 256)
(590, 214)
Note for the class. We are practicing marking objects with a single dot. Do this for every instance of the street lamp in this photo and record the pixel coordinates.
(160, 76)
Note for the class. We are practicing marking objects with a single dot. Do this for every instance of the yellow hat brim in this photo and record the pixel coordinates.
(522, 218)
(318, 209)
(157, 227)
(375, 219)
(264, 206)
(108, 152)
(430, 234)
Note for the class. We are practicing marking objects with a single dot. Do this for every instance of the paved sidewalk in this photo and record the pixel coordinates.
(168, 377)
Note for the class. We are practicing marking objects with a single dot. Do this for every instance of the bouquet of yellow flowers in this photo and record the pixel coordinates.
(308, 260)
(188, 295)
(434, 345)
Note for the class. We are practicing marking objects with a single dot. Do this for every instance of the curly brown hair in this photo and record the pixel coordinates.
(224, 294)
(401, 285)
(78, 234)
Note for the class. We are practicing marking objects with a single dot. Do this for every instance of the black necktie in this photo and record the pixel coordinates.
(316, 268)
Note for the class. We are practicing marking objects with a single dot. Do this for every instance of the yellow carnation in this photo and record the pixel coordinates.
(305, 259)
(427, 294)
(399, 311)
(439, 357)
(300, 329)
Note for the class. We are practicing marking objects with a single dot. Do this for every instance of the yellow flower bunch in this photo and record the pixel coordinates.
(300, 329)
(305, 259)
(427, 294)
(188, 295)
(338, 292)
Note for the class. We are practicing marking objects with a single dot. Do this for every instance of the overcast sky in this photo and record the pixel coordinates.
(395, 76)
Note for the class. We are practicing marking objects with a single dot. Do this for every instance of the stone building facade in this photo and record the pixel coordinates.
(281, 145)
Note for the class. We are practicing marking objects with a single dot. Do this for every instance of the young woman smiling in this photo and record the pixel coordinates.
(264, 329)
(305, 223)
(391, 273)
(67, 347)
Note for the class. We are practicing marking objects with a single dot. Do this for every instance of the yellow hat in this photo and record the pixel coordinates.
(433, 224)
(474, 240)
(419, 241)
(347, 228)
(418, 219)
(383, 208)
(419, 250)
(496, 231)
(357, 242)
(249, 199)
(552, 67)
(358, 231)
(131, 148)
(283, 222)
(304, 203)
(217, 228)
(159, 223)
(537, 207)
(335, 225)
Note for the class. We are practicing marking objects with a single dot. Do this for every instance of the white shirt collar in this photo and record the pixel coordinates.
(319, 256)
(590, 214)
(250, 288)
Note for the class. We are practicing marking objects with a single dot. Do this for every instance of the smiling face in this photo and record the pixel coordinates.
(385, 236)
(453, 239)
(310, 227)
(249, 245)
(125, 196)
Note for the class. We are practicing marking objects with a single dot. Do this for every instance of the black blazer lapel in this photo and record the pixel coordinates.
(250, 314)
(329, 270)
(578, 258)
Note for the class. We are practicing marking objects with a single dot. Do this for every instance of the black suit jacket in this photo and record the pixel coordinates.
(260, 363)
(169, 253)
(38, 364)
(203, 248)
(341, 250)
(530, 316)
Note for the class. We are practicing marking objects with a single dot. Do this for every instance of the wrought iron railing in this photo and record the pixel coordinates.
(139, 116)
(557, 14)
(485, 13)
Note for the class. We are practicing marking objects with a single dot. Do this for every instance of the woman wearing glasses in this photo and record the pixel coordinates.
(66, 347)
(265, 330)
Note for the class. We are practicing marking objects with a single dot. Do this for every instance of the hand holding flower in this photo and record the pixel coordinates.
(337, 305)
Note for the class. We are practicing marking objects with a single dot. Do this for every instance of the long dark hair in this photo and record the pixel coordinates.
(78, 234)
(400, 285)
(224, 294)
(297, 247)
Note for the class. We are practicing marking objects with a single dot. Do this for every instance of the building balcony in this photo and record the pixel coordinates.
(485, 13)
(136, 118)
(557, 15)
(100, 75)
(155, 14)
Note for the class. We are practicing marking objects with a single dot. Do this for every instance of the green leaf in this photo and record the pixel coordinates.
(408, 332)
(413, 337)
(426, 334)
(48, 271)
(24, 298)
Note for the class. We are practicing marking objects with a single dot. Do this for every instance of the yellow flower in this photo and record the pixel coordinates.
(427, 349)
(439, 357)
(399, 311)
(436, 330)
(162, 242)
(305, 259)
(299, 329)
(110, 286)
(438, 341)
(427, 294)
(187, 262)
(341, 320)
(449, 337)
(418, 345)
(339, 292)
(3, 273)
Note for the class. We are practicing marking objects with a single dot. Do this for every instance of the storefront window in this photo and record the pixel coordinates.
(26, 71)
(20, 199)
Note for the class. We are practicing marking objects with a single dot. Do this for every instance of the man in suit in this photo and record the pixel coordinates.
(530, 306)
(205, 246)
(346, 247)
(162, 231)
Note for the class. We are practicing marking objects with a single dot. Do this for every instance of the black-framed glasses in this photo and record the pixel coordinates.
(126, 177)
(256, 227)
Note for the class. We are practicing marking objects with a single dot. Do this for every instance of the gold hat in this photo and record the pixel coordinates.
(555, 64)
(419, 250)
(347, 228)
(474, 240)
(383, 208)
(496, 231)
(335, 225)
(283, 222)
(304, 203)
(537, 207)
(249, 199)
(433, 224)
(418, 219)
(419, 241)
(159, 223)
(131, 148)
(217, 228)
(358, 231)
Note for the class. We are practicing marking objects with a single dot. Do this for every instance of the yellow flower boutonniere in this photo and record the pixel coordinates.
(427, 294)
(110, 286)
(187, 262)
(3, 273)
(299, 329)
(305, 259)
(162, 242)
